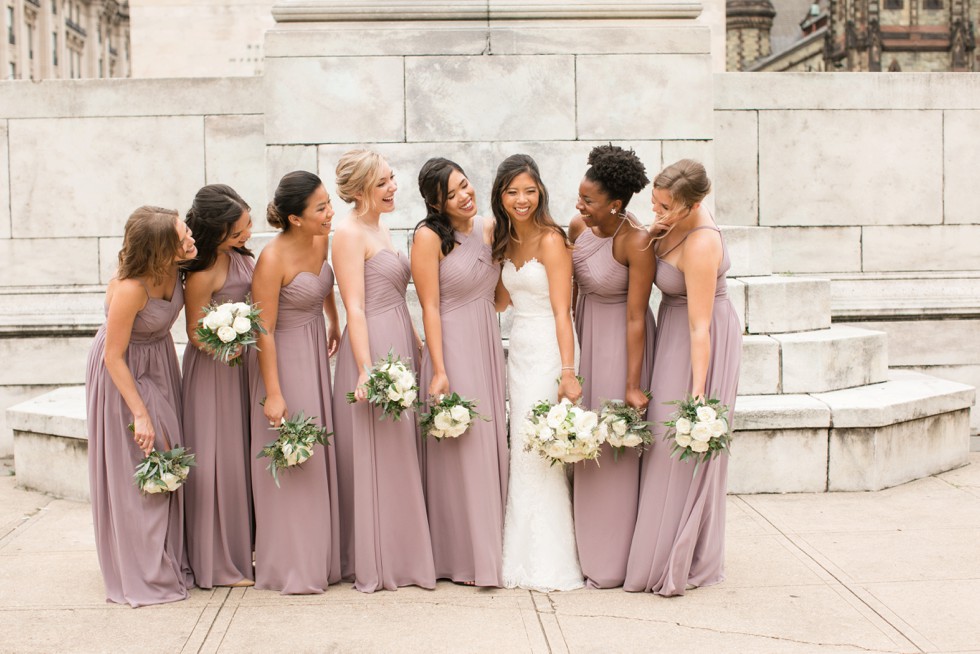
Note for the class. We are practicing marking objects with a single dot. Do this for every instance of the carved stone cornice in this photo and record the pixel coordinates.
(290, 11)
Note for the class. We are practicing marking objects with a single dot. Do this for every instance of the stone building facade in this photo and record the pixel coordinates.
(64, 39)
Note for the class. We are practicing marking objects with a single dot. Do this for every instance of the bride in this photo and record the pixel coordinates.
(539, 540)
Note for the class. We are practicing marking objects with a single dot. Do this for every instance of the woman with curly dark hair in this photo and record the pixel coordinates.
(613, 276)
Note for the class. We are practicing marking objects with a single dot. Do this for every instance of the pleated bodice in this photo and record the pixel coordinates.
(238, 282)
(597, 273)
(301, 300)
(468, 273)
(386, 276)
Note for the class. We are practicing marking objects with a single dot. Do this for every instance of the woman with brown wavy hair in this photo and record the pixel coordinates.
(133, 378)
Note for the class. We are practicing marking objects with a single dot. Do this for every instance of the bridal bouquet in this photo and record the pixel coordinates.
(562, 432)
(390, 386)
(623, 426)
(448, 417)
(698, 429)
(225, 329)
(164, 472)
(297, 436)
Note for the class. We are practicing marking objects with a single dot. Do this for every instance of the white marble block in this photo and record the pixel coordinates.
(961, 160)
(749, 249)
(46, 360)
(831, 359)
(49, 261)
(482, 98)
(816, 249)
(759, 371)
(781, 304)
(736, 179)
(235, 155)
(816, 167)
(922, 248)
(778, 461)
(4, 183)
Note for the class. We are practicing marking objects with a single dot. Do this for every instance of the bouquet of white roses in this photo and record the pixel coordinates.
(448, 417)
(297, 436)
(623, 426)
(390, 386)
(225, 329)
(698, 429)
(164, 472)
(562, 432)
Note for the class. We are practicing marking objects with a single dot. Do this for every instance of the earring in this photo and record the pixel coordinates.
(612, 211)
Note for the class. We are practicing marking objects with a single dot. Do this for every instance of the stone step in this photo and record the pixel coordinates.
(749, 249)
(781, 304)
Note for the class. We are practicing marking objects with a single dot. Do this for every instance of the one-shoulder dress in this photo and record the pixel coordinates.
(139, 538)
(466, 477)
(296, 524)
(605, 492)
(218, 496)
(680, 527)
(384, 528)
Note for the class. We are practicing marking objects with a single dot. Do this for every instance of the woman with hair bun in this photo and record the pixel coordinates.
(132, 378)
(679, 542)
(613, 277)
(384, 527)
(455, 276)
(296, 523)
(218, 496)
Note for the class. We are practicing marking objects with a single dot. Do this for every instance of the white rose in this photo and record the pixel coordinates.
(211, 321)
(683, 426)
(701, 432)
(706, 414)
(545, 433)
(619, 426)
(632, 440)
(460, 414)
(557, 414)
(585, 422)
(699, 446)
(241, 308)
(602, 431)
(719, 427)
(241, 325)
(226, 334)
(556, 449)
(443, 420)
(683, 439)
(436, 433)
(405, 381)
(615, 441)
(223, 317)
(456, 431)
(393, 394)
(408, 398)
(170, 481)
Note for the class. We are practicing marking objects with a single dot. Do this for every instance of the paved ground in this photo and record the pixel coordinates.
(893, 571)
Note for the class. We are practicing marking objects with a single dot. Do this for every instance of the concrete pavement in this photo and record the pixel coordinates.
(892, 571)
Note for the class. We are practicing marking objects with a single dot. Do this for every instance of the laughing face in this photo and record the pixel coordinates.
(187, 250)
(520, 198)
(460, 201)
(382, 194)
(318, 215)
(594, 205)
(239, 234)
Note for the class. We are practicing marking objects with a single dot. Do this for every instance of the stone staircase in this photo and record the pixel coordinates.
(818, 410)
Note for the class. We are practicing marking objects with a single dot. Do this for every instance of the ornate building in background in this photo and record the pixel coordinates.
(67, 39)
(862, 35)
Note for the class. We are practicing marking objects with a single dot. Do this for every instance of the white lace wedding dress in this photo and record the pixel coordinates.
(539, 539)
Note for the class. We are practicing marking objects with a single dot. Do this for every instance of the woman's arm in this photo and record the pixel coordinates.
(198, 289)
(330, 309)
(557, 260)
(575, 229)
(348, 262)
(700, 260)
(426, 249)
(128, 297)
(642, 266)
(266, 284)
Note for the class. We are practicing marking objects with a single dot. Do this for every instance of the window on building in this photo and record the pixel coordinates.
(894, 4)
(54, 48)
(932, 4)
(54, 7)
(10, 26)
(30, 42)
(12, 72)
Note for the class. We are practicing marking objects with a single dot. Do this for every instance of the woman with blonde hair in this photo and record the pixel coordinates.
(132, 378)
(679, 541)
(383, 522)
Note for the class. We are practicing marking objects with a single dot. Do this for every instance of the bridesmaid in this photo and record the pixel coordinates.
(679, 542)
(132, 378)
(615, 327)
(384, 528)
(455, 276)
(296, 530)
(218, 495)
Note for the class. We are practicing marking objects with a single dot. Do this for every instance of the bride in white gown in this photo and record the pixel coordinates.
(539, 539)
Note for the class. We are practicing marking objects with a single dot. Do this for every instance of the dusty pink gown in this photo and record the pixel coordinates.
(605, 492)
(466, 477)
(680, 526)
(139, 538)
(384, 529)
(218, 496)
(296, 524)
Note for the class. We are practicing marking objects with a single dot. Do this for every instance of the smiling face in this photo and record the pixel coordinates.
(520, 198)
(239, 233)
(318, 215)
(187, 249)
(381, 196)
(594, 204)
(460, 201)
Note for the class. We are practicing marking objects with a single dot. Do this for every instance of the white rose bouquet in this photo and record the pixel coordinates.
(698, 429)
(297, 436)
(391, 386)
(164, 472)
(562, 432)
(225, 329)
(623, 426)
(448, 417)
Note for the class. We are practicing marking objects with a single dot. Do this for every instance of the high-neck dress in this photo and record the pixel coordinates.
(296, 524)
(218, 496)
(680, 527)
(605, 492)
(384, 529)
(466, 477)
(139, 538)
